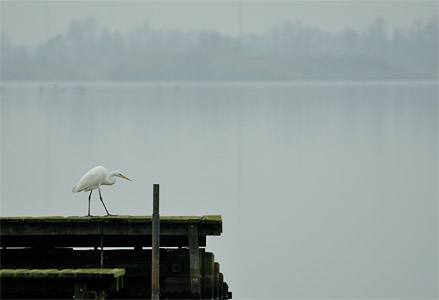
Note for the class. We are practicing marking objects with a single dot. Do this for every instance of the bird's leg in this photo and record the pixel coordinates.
(108, 214)
(89, 198)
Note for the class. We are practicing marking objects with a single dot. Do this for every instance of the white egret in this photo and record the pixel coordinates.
(93, 179)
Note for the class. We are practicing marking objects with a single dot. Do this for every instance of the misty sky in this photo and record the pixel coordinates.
(33, 22)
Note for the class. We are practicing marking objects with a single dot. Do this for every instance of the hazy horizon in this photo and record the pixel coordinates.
(230, 18)
(289, 51)
(216, 40)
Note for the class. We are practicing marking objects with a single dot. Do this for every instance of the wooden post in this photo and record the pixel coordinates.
(221, 285)
(216, 270)
(194, 261)
(208, 275)
(155, 283)
(102, 249)
(102, 246)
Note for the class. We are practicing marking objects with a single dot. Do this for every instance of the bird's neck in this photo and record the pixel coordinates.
(110, 178)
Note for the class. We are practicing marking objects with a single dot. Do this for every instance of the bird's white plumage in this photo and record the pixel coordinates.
(93, 179)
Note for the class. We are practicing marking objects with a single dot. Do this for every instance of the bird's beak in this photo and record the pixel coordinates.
(125, 177)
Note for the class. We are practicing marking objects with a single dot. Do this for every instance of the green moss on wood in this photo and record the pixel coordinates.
(111, 219)
(65, 273)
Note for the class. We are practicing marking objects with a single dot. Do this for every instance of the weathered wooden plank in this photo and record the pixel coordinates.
(76, 219)
(180, 230)
(111, 219)
(173, 263)
(182, 219)
(82, 228)
(57, 288)
(225, 290)
(117, 231)
(208, 276)
(211, 219)
(177, 288)
(194, 261)
(221, 286)
(56, 273)
(216, 270)
(94, 241)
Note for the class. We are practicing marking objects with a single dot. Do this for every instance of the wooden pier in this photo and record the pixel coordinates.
(44, 257)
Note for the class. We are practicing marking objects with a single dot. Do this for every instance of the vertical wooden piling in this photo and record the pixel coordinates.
(102, 248)
(208, 276)
(216, 270)
(155, 284)
(194, 261)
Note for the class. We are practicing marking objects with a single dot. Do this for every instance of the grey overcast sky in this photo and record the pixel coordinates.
(32, 22)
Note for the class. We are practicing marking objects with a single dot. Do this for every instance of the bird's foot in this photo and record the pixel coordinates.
(90, 215)
(110, 215)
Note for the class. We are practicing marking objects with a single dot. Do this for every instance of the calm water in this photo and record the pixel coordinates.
(327, 189)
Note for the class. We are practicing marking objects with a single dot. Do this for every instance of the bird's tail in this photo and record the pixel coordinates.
(75, 189)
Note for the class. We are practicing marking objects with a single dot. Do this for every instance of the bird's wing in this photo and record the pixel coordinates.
(91, 180)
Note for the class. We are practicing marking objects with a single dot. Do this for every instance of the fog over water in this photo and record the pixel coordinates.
(231, 18)
(327, 189)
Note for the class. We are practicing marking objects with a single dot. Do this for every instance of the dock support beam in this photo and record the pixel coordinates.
(194, 260)
(155, 284)
(208, 276)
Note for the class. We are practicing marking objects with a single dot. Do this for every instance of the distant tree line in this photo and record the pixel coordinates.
(290, 51)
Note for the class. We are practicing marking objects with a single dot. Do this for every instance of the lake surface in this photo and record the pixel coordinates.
(327, 189)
